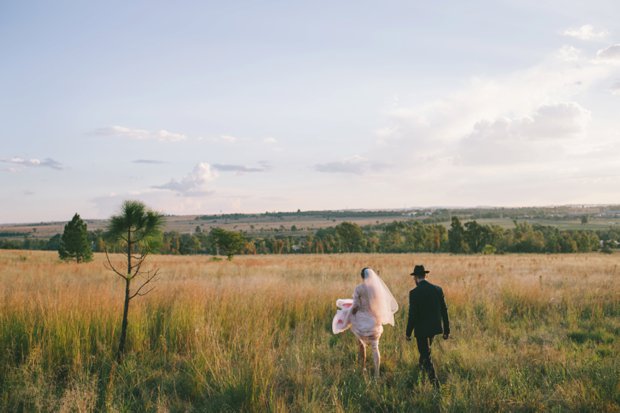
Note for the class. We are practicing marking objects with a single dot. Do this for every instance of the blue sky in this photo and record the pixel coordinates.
(208, 107)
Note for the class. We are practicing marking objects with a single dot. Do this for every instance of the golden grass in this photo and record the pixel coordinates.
(530, 332)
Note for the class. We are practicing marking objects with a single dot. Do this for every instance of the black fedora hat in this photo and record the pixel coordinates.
(419, 271)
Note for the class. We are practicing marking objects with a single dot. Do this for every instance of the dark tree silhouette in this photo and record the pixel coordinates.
(74, 243)
(476, 236)
(455, 236)
(136, 229)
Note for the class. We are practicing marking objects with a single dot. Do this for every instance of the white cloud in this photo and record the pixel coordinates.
(569, 54)
(33, 162)
(529, 139)
(149, 161)
(228, 138)
(270, 141)
(615, 89)
(427, 129)
(167, 136)
(140, 134)
(500, 134)
(124, 132)
(195, 183)
(610, 54)
(356, 165)
(263, 167)
(385, 133)
(586, 32)
(555, 121)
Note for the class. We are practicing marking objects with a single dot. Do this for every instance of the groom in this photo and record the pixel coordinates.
(427, 311)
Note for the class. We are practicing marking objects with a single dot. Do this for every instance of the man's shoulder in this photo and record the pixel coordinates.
(438, 289)
(431, 285)
(426, 288)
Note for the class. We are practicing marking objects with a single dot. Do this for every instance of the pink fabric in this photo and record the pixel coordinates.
(342, 319)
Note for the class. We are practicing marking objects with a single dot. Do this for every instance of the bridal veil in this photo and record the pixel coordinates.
(382, 303)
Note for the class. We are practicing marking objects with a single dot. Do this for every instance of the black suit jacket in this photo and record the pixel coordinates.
(427, 310)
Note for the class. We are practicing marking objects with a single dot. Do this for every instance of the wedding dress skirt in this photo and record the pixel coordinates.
(375, 305)
(363, 323)
(342, 319)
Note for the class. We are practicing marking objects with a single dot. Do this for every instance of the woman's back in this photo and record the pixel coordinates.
(363, 321)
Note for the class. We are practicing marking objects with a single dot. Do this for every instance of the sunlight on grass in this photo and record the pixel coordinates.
(530, 333)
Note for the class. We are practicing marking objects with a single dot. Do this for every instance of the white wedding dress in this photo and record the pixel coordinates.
(372, 306)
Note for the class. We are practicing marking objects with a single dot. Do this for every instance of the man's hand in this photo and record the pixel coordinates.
(446, 336)
(407, 338)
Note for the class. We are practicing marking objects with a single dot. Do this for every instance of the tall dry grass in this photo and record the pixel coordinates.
(530, 333)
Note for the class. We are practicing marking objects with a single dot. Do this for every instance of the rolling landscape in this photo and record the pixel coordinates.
(530, 331)
(254, 334)
(310, 206)
(563, 217)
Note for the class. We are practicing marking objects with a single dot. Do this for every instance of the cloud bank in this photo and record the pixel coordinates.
(161, 135)
(33, 163)
(356, 165)
(263, 167)
(148, 161)
(610, 54)
(530, 139)
(586, 32)
(193, 184)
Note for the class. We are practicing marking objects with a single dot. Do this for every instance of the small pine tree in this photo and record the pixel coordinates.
(137, 229)
(74, 243)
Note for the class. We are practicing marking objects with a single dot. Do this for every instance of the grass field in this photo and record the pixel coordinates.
(530, 333)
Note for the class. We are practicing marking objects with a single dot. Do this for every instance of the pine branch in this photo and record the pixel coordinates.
(149, 278)
(110, 266)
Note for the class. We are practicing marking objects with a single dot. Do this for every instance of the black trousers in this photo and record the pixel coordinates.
(426, 364)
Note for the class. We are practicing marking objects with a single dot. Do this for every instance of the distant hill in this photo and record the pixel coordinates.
(565, 217)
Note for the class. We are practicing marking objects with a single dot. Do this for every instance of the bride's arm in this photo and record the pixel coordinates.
(356, 301)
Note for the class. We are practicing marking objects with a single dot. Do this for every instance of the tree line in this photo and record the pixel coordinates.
(470, 237)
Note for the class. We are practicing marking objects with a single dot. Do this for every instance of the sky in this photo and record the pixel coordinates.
(201, 107)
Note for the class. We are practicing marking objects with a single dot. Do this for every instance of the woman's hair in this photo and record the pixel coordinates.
(364, 274)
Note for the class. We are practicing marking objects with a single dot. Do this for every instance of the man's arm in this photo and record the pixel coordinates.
(444, 314)
(411, 316)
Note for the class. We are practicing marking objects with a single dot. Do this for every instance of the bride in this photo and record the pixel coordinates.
(372, 306)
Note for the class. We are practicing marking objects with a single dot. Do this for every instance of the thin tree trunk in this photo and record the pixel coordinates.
(121, 345)
(129, 253)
